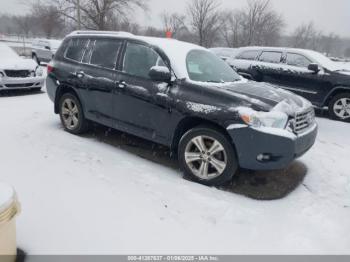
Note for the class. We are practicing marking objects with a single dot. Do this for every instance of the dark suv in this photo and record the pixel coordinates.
(182, 96)
(307, 73)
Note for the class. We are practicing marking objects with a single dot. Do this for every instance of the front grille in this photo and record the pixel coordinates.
(304, 120)
(17, 73)
(19, 85)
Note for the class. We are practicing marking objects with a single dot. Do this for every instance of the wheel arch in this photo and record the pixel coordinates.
(189, 123)
(335, 91)
(61, 90)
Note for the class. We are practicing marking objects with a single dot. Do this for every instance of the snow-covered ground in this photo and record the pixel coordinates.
(93, 195)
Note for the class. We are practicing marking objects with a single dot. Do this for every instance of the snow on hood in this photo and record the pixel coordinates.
(9, 60)
(18, 64)
(268, 97)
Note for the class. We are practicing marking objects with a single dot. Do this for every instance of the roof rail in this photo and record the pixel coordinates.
(91, 32)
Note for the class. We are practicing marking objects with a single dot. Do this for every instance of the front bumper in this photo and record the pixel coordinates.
(7, 83)
(265, 150)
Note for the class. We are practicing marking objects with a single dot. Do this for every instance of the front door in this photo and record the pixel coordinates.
(141, 106)
(297, 78)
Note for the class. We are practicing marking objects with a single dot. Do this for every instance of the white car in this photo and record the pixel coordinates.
(43, 50)
(17, 72)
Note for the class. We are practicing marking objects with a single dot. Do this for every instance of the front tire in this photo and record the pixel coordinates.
(72, 115)
(207, 156)
(339, 107)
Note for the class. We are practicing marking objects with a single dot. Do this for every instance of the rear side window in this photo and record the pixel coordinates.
(76, 49)
(271, 57)
(248, 55)
(297, 60)
(139, 59)
(105, 53)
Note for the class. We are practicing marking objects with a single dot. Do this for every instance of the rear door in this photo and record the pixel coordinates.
(140, 104)
(99, 78)
(268, 67)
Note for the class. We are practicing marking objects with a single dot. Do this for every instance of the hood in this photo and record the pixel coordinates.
(17, 64)
(266, 97)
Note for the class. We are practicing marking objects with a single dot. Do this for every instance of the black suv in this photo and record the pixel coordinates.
(182, 96)
(307, 73)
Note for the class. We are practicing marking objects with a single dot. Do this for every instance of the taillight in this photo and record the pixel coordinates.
(49, 68)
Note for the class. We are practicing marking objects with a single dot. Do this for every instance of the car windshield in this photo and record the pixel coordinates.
(325, 61)
(204, 66)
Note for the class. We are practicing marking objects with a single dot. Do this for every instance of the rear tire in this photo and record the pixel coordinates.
(339, 107)
(207, 156)
(72, 114)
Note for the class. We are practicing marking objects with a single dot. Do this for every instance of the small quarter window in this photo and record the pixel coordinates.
(76, 49)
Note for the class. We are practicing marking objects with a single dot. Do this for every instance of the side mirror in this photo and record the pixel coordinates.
(314, 67)
(160, 74)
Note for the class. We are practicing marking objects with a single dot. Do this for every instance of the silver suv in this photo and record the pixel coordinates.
(43, 50)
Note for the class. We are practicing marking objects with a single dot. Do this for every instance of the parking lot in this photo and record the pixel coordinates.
(107, 192)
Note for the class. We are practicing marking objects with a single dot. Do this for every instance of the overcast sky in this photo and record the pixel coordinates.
(328, 15)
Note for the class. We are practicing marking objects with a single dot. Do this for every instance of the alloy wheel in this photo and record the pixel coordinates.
(206, 157)
(341, 108)
(70, 114)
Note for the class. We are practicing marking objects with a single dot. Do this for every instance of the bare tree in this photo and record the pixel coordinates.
(48, 18)
(205, 20)
(173, 22)
(262, 25)
(25, 24)
(97, 14)
(257, 24)
(305, 36)
(232, 28)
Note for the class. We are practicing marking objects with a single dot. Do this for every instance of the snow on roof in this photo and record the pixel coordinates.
(175, 50)
(312, 55)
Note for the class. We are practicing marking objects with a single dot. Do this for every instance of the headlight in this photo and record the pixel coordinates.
(1, 75)
(263, 119)
(39, 71)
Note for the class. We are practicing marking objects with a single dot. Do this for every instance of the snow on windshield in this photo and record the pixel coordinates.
(7, 52)
(323, 60)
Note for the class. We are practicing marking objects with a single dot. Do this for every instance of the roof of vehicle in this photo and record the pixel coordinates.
(314, 56)
(175, 50)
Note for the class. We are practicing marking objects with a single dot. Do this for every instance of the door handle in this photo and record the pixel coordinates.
(121, 84)
(79, 74)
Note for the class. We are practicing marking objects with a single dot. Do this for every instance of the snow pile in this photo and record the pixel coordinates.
(92, 196)
(201, 108)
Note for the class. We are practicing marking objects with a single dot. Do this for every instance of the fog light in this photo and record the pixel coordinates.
(264, 157)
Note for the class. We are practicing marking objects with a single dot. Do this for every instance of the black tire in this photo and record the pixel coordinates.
(334, 111)
(36, 59)
(229, 155)
(82, 125)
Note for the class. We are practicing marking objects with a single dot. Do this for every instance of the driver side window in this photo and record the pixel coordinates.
(139, 59)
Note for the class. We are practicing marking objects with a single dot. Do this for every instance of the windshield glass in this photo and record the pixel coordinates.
(325, 61)
(204, 66)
